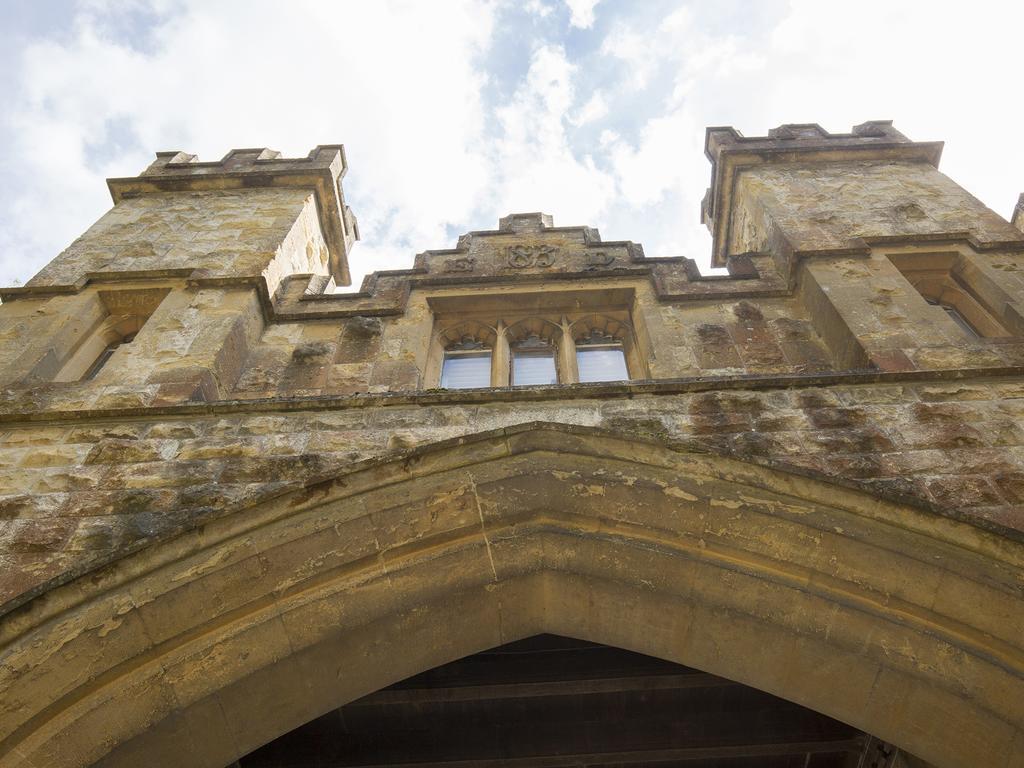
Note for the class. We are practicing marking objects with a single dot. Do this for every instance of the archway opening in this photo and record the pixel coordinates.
(553, 701)
(198, 650)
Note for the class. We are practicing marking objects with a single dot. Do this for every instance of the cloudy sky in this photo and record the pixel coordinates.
(455, 113)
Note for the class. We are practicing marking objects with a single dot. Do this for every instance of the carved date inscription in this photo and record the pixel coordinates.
(599, 259)
(529, 256)
(464, 264)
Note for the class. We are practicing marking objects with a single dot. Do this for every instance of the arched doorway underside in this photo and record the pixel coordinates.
(195, 651)
(559, 702)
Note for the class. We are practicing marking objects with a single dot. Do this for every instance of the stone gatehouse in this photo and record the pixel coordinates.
(233, 501)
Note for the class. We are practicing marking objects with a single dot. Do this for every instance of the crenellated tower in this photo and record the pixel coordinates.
(191, 253)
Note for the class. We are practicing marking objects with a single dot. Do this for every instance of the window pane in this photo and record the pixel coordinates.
(533, 368)
(466, 371)
(100, 361)
(956, 316)
(602, 364)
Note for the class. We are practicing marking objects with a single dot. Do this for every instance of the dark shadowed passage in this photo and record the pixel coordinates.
(553, 701)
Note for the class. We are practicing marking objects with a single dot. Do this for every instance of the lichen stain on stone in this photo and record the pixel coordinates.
(815, 538)
(727, 503)
(588, 490)
(775, 505)
(447, 497)
(678, 493)
(562, 475)
(212, 563)
(109, 626)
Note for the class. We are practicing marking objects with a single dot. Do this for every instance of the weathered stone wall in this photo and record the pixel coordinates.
(192, 345)
(81, 491)
(218, 234)
(872, 316)
(247, 378)
(368, 354)
(198, 649)
(840, 206)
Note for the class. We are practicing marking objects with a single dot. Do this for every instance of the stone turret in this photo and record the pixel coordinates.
(801, 191)
(196, 250)
(252, 213)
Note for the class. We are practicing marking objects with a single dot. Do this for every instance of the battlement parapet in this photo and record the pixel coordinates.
(527, 248)
(1017, 217)
(809, 137)
(176, 164)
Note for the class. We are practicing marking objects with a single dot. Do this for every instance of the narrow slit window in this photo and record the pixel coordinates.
(533, 362)
(104, 356)
(954, 314)
(467, 365)
(975, 303)
(600, 357)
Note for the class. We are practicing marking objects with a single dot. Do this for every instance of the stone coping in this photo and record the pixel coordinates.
(385, 292)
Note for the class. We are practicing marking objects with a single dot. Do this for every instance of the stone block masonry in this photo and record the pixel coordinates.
(835, 428)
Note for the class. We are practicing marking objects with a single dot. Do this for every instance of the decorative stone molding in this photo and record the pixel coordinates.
(464, 264)
(525, 222)
(599, 259)
(1017, 218)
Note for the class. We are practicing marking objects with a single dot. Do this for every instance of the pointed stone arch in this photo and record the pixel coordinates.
(196, 650)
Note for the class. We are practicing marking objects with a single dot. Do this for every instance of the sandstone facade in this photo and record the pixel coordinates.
(812, 482)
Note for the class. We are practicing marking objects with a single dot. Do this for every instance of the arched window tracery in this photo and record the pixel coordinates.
(538, 348)
(602, 348)
(534, 352)
(468, 356)
(601, 356)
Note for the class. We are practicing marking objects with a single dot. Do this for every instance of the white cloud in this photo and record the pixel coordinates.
(399, 86)
(581, 12)
(936, 69)
(631, 47)
(539, 8)
(594, 109)
(536, 166)
(594, 127)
